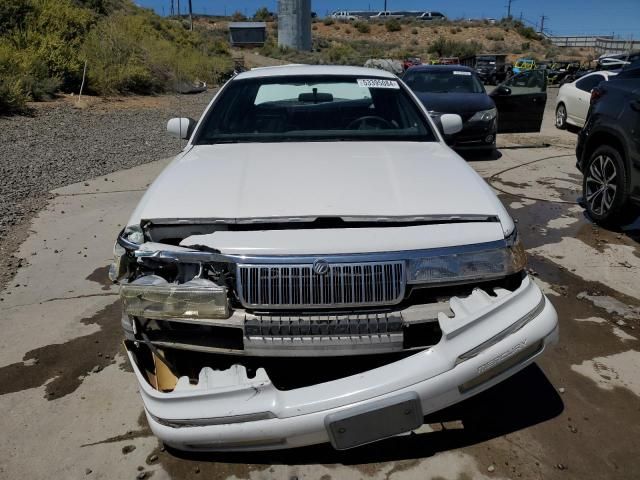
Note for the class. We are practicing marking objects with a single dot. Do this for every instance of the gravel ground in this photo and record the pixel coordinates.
(60, 144)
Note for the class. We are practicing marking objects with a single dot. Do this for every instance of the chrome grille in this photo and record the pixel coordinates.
(298, 286)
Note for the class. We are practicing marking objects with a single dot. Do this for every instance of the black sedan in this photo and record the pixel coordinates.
(457, 89)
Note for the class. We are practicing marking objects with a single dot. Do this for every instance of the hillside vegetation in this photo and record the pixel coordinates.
(44, 45)
(355, 42)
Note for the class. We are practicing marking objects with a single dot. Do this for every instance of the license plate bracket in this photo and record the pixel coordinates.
(377, 420)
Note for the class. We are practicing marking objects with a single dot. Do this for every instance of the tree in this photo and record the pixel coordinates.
(262, 14)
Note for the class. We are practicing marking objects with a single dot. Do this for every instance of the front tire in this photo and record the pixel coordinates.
(561, 117)
(605, 188)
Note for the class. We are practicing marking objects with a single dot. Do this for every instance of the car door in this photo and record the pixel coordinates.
(520, 102)
(582, 96)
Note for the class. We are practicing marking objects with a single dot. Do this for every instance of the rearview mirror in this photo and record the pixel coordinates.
(451, 123)
(181, 127)
(501, 90)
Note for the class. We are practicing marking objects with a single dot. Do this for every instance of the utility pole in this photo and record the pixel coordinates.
(190, 16)
(509, 7)
(178, 7)
(173, 12)
(542, 19)
(385, 5)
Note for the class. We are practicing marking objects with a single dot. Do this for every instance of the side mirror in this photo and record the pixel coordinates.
(501, 90)
(451, 123)
(181, 127)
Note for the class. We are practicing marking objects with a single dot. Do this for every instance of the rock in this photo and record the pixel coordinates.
(491, 468)
(196, 470)
(561, 466)
(561, 390)
(87, 471)
(96, 369)
(141, 475)
(581, 295)
(153, 458)
(140, 468)
(621, 323)
(128, 449)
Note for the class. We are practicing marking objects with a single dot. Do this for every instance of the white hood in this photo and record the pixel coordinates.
(337, 179)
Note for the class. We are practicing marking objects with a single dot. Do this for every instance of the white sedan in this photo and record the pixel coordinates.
(317, 265)
(572, 104)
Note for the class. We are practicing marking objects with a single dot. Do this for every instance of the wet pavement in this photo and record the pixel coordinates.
(72, 410)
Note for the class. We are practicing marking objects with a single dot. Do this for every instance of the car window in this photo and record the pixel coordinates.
(443, 81)
(587, 84)
(314, 108)
(529, 81)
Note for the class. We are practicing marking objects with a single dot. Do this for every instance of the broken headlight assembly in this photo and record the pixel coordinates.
(152, 296)
(475, 264)
(130, 238)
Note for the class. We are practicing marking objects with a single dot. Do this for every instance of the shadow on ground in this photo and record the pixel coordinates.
(480, 155)
(521, 401)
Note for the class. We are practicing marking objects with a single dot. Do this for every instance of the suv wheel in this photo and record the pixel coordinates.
(605, 188)
(561, 117)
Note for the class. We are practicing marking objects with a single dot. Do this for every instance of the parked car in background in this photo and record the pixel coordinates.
(411, 62)
(344, 15)
(572, 103)
(608, 150)
(384, 281)
(457, 89)
(523, 64)
(384, 14)
(491, 68)
(431, 16)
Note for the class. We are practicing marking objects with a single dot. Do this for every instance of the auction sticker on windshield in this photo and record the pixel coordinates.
(459, 72)
(377, 83)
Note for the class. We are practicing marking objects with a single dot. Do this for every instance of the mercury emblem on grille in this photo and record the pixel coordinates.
(320, 266)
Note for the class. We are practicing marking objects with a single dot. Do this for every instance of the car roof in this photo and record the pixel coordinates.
(291, 70)
(440, 68)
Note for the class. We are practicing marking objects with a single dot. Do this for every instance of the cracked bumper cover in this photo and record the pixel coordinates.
(481, 345)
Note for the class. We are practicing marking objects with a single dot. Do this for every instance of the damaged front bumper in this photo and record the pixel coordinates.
(487, 339)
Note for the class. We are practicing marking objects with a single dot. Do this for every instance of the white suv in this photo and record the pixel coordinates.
(318, 265)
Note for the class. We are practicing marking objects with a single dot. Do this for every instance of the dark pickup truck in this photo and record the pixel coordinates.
(491, 68)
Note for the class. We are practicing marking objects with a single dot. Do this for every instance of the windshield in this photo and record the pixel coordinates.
(443, 81)
(313, 108)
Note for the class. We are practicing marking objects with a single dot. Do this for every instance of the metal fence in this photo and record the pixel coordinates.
(601, 43)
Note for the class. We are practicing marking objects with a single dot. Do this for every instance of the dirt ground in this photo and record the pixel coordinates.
(72, 410)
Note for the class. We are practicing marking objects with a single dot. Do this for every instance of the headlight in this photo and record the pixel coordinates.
(484, 115)
(474, 264)
(134, 234)
(130, 237)
(153, 297)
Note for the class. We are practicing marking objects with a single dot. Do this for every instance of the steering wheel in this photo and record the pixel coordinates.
(369, 120)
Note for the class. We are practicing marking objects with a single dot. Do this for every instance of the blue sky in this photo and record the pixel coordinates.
(621, 17)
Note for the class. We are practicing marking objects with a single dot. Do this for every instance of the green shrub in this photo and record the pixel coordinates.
(452, 48)
(131, 54)
(339, 54)
(362, 27)
(525, 45)
(328, 21)
(393, 25)
(262, 14)
(497, 37)
(414, 31)
(13, 97)
(238, 16)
